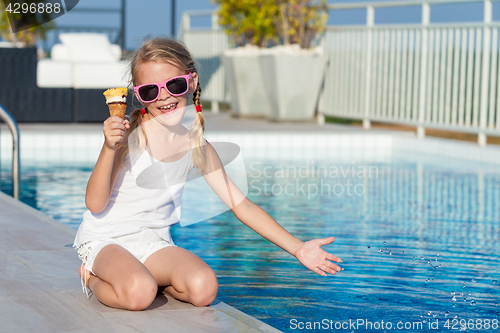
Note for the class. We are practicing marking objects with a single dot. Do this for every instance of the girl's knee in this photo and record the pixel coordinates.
(203, 287)
(140, 293)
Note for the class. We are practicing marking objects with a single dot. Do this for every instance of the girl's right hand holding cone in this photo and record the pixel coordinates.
(114, 129)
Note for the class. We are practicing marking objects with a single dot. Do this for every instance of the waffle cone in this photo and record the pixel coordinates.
(117, 109)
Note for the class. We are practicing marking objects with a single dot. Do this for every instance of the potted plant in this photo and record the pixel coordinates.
(250, 26)
(29, 27)
(274, 71)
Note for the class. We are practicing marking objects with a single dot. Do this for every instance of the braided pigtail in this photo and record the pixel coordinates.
(196, 134)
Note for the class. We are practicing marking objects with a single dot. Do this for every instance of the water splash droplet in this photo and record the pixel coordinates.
(473, 281)
(437, 255)
(454, 298)
(452, 293)
(494, 282)
(429, 313)
(435, 267)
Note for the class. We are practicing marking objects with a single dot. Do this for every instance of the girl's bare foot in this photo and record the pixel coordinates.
(85, 275)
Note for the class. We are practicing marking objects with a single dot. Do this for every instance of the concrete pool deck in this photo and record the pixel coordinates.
(40, 289)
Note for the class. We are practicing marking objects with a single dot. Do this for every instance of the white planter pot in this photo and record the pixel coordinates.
(293, 84)
(245, 84)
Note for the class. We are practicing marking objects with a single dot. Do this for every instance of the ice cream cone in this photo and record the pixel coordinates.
(116, 99)
(117, 109)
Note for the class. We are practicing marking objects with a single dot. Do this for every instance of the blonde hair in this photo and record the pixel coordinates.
(175, 53)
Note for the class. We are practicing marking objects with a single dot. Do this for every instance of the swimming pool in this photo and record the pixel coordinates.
(418, 234)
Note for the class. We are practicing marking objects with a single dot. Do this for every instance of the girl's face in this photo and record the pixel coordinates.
(170, 108)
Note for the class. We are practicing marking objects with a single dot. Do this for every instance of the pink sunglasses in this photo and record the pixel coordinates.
(176, 86)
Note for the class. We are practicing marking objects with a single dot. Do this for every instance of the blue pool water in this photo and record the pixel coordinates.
(419, 237)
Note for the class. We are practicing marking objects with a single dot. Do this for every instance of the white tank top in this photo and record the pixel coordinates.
(140, 200)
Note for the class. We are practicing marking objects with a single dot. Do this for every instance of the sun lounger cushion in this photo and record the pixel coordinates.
(83, 61)
(53, 74)
(102, 75)
(88, 47)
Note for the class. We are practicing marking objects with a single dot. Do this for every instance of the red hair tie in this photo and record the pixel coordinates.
(198, 108)
(143, 111)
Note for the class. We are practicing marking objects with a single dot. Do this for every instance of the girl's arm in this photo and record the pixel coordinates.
(107, 167)
(262, 223)
(308, 253)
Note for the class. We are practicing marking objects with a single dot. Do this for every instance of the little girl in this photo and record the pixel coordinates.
(124, 240)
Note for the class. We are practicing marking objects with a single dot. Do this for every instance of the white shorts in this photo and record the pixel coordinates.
(141, 244)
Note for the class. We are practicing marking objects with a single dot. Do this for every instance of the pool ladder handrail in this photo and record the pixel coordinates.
(14, 129)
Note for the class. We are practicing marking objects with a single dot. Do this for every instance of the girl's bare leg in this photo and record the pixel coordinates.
(121, 281)
(184, 274)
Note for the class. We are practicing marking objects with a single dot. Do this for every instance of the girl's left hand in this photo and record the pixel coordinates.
(311, 255)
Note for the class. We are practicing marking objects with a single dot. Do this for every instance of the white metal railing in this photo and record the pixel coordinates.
(441, 76)
(429, 75)
(206, 46)
(11, 122)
